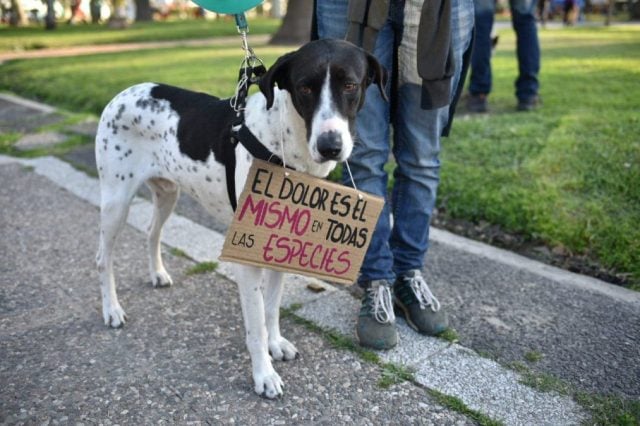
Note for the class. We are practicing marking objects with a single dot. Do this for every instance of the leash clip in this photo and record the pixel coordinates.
(241, 22)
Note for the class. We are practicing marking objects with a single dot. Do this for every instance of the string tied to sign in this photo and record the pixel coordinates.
(353, 182)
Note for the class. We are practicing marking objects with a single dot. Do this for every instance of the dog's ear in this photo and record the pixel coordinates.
(377, 74)
(276, 75)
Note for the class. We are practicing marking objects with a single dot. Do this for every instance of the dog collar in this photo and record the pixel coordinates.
(241, 134)
(249, 75)
(251, 143)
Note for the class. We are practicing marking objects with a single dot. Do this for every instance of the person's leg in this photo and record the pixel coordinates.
(416, 149)
(480, 78)
(528, 49)
(371, 149)
(375, 327)
(331, 18)
(417, 144)
(367, 161)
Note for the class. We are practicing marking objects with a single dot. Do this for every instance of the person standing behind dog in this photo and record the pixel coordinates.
(528, 51)
(422, 44)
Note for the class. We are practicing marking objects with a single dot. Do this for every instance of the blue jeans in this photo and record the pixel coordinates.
(528, 48)
(416, 138)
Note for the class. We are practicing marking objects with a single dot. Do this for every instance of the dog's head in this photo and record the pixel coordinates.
(327, 80)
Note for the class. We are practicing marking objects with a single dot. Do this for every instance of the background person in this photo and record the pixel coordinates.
(528, 52)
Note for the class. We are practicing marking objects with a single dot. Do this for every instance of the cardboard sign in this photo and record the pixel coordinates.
(293, 222)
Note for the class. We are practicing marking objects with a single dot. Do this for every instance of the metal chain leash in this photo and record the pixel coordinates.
(251, 68)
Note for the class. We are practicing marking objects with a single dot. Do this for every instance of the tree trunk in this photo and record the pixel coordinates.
(143, 11)
(50, 19)
(296, 25)
(18, 18)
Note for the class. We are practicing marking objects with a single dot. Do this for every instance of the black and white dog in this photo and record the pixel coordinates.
(170, 138)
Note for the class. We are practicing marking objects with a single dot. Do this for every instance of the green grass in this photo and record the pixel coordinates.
(178, 253)
(202, 268)
(72, 141)
(393, 374)
(566, 175)
(456, 404)
(533, 356)
(450, 335)
(87, 83)
(540, 381)
(610, 410)
(8, 140)
(35, 37)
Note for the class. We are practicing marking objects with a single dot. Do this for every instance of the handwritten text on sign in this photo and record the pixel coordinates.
(291, 221)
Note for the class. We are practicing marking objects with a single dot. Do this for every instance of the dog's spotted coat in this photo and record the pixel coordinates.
(172, 139)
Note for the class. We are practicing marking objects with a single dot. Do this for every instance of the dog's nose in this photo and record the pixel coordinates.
(330, 145)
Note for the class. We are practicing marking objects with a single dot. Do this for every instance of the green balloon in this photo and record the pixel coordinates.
(230, 7)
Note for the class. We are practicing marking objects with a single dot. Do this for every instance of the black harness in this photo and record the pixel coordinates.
(240, 132)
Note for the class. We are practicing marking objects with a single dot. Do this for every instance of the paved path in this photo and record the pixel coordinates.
(182, 355)
(211, 41)
(125, 47)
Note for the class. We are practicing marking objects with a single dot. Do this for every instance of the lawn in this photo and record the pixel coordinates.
(87, 83)
(35, 37)
(567, 174)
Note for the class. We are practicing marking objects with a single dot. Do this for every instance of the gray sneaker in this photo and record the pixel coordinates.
(376, 323)
(417, 304)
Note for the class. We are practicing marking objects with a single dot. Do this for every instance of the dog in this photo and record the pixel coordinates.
(171, 139)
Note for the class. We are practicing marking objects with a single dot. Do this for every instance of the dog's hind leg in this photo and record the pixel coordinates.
(114, 208)
(266, 380)
(165, 194)
(279, 347)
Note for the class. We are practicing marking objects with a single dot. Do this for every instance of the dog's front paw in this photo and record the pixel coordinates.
(161, 279)
(268, 385)
(114, 315)
(282, 350)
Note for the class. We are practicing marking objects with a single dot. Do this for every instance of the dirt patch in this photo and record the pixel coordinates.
(559, 256)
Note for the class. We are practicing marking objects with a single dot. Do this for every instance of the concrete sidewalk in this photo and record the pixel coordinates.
(191, 345)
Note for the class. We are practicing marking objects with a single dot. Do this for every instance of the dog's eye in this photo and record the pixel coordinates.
(304, 90)
(350, 87)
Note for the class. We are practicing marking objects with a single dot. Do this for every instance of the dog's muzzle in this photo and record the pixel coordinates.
(329, 145)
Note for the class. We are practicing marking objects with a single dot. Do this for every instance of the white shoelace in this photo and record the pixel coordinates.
(382, 303)
(423, 293)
